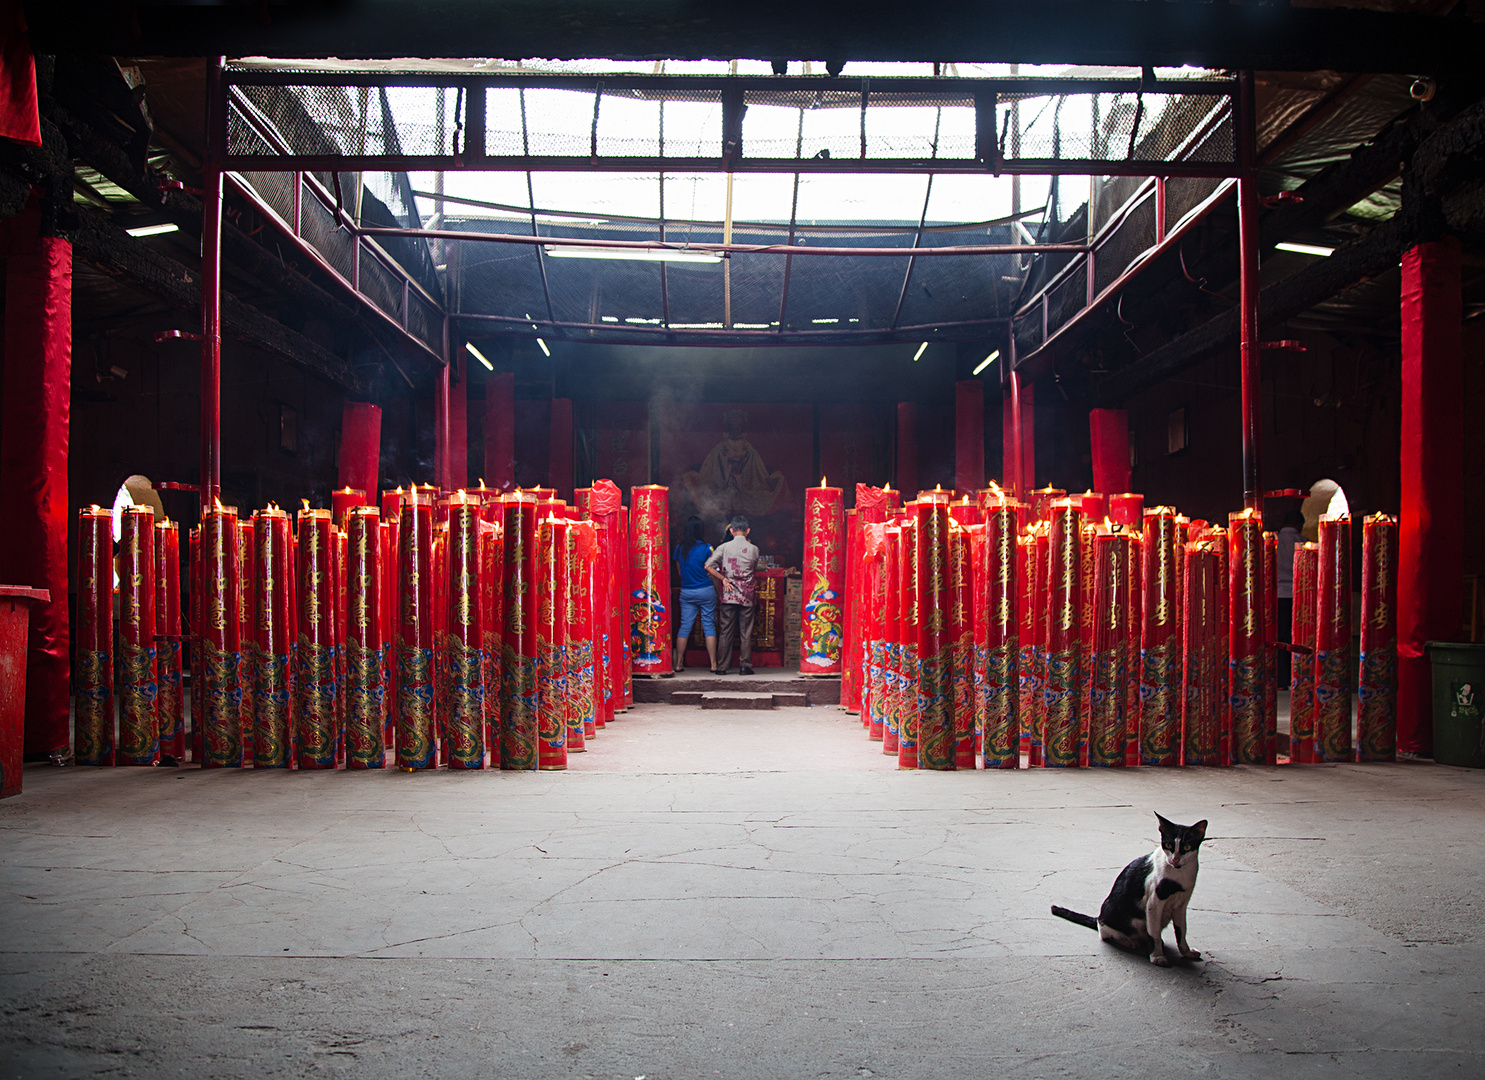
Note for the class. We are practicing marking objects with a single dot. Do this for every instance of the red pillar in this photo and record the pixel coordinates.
(33, 465)
(1431, 525)
(559, 448)
(969, 435)
(1018, 462)
(907, 448)
(500, 431)
(451, 428)
(459, 428)
(361, 448)
(1108, 431)
(1248, 211)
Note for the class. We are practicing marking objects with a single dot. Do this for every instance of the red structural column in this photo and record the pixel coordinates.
(559, 448)
(1430, 546)
(907, 446)
(500, 431)
(360, 448)
(451, 426)
(969, 435)
(33, 468)
(211, 287)
(1108, 431)
(1018, 436)
(1248, 212)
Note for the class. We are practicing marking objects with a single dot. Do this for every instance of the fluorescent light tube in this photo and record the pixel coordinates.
(543, 345)
(633, 254)
(154, 230)
(921, 350)
(986, 362)
(479, 356)
(1305, 249)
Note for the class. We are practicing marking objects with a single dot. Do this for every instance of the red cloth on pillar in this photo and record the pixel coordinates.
(907, 447)
(1431, 526)
(1108, 430)
(1028, 440)
(559, 448)
(361, 448)
(20, 117)
(33, 470)
(451, 463)
(969, 435)
(500, 431)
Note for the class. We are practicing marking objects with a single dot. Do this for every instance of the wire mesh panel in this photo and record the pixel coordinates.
(1130, 239)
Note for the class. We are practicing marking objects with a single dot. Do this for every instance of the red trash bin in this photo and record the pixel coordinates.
(15, 618)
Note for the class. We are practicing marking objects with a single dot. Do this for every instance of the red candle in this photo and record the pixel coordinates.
(1064, 719)
(139, 737)
(1376, 735)
(221, 722)
(580, 542)
(543, 494)
(464, 662)
(315, 659)
(820, 637)
(272, 639)
(1110, 660)
(908, 618)
(626, 590)
(1247, 640)
(1095, 506)
(440, 617)
(551, 643)
(518, 691)
(197, 630)
(933, 584)
(1127, 509)
(1333, 641)
(341, 502)
(170, 705)
(892, 633)
(649, 601)
(1202, 657)
(961, 638)
(93, 680)
(605, 507)
(873, 608)
(386, 608)
(492, 612)
(1135, 598)
(1302, 662)
(1270, 653)
(1041, 502)
(1217, 535)
(1086, 535)
(999, 598)
(413, 716)
(246, 619)
(850, 648)
(1036, 606)
(365, 734)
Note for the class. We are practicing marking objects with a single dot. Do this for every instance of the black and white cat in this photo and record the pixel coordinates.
(1150, 893)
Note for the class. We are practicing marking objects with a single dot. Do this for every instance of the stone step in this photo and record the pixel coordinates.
(725, 699)
(791, 697)
(686, 697)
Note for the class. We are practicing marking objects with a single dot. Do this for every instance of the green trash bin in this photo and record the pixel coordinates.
(1458, 702)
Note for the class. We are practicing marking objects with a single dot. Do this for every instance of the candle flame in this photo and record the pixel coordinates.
(938, 487)
(995, 487)
(822, 479)
(887, 486)
(398, 492)
(216, 504)
(272, 505)
(304, 505)
(1088, 492)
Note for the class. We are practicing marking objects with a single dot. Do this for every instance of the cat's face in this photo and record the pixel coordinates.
(1180, 842)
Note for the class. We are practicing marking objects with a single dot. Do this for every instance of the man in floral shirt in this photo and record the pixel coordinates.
(731, 566)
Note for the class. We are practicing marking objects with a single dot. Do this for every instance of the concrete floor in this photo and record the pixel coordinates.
(735, 895)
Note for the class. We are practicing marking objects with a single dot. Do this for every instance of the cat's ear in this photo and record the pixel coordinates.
(1163, 823)
(1200, 829)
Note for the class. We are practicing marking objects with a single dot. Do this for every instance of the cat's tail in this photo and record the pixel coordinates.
(1075, 916)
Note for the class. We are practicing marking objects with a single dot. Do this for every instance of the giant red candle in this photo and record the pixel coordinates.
(1376, 729)
(850, 649)
(873, 623)
(1270, 653)
(139, 737)
(170, 705)
(221, 716)
(1302, 663)
(1201, 686)
(551, 643)
(961, 635)
(413, 717)
(272, 642)
(1246, 638)
(1064, 719)
(1109, 656)
(492, 597)
(580, 543)
(463, 653)
(93, 677)
(1333, 640)
(892, 680)
(936, 743)
(821, 636)
(315, 656)
(365, 733)
(518, 690)
(1127, 509)
(999, 596)
(341, 502)
(247, 557)
(908, 612)
(648, 601)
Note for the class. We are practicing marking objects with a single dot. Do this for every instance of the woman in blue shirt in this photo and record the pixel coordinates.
(698, 594)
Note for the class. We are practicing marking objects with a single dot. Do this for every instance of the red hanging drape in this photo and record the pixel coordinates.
(20, 118)
(360, 448)
(500, 431)
(969, 435)
(33, 466)
(1028, 439)
(559, 448)
(1108, 431)
(1430, 570)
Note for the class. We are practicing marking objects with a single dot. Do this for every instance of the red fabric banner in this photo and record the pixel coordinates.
(969, 435)
(361, 448)
(1108, 431)
(20, 117)
(1430, 543)
(500, 431)
(559, 448)
(1028, 440)
(907, 446)
(33, 471)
